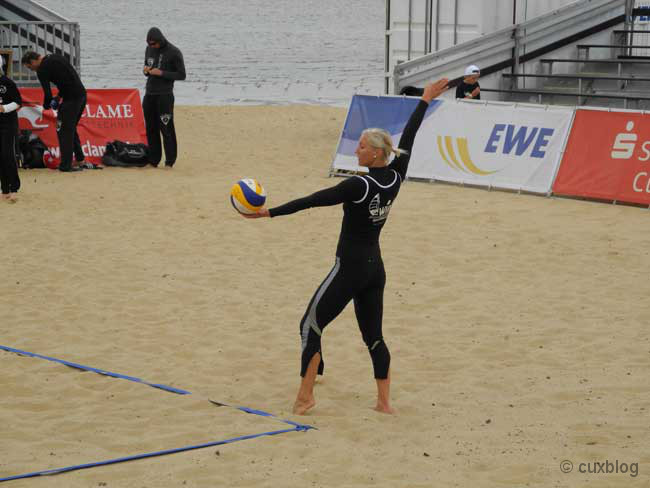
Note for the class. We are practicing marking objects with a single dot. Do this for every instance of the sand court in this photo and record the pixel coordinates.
(517, 324)
(92, 418)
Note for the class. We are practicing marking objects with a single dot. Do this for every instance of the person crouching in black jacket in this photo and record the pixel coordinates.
(163, 64)
(70, 102)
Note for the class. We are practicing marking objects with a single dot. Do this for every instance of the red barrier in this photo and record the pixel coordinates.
(607, 157)
(109, 115)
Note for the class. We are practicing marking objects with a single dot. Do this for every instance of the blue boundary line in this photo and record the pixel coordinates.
(297, 427)
(170, 389)
(148, 455)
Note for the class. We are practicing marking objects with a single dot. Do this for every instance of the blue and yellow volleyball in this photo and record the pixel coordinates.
(247, 196)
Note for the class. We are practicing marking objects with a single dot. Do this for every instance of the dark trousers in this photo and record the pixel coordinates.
(9, 180)
(70, 113)
(361, 281)
(159, 118)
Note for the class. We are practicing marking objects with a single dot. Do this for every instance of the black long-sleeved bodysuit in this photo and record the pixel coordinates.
(358, 273)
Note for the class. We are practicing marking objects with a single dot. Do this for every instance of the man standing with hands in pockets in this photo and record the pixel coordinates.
(163, 64)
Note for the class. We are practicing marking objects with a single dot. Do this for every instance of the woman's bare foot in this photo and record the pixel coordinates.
(383, 396)
(301, 406)
(383, 408)
(305, 397)
(9, 197)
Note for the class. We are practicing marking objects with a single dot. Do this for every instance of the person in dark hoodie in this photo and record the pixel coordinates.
(163, 64)
(70, 101)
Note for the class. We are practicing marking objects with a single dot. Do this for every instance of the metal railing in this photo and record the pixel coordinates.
(18, 37)
(506, 44)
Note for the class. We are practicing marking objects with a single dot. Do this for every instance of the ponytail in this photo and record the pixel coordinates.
(380, 139)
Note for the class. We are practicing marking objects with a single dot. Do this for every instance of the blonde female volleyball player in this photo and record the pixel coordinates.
(358, 272)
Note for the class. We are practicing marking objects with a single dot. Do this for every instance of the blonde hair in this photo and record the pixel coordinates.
(380, 139)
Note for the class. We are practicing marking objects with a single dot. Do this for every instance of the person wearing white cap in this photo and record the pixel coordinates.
(10, 102)
(469, 87)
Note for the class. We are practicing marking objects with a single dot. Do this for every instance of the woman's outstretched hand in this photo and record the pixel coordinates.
(435, 89)
(260, 213)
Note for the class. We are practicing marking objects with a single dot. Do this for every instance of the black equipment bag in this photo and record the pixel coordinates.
(31, 150)
(126, 155)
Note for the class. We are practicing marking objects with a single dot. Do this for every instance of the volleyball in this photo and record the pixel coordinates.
(247, 196)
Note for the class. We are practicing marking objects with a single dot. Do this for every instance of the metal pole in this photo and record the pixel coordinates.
(408, 55)
(629, 10)
(455, 22)
(430, 20)
(524, 37)
(515, 66)
(579, 88)
(629, 24)
(525, 10)
(13, 35)
(426, 26)
(67, 48)
(77, 34)
(387, 50)
(514, 49)
(437, 24)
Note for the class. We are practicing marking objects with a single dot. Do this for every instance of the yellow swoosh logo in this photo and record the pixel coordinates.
(450, 150)
(467, 164)
(444, 156)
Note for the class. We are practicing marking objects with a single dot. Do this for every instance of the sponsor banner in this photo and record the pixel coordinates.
(493, 145)
(109, 115)
(607, 157)
(388, 113)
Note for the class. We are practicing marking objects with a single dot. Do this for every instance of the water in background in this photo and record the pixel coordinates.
(236, 51)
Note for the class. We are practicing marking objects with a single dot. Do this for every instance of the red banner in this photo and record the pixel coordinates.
(109, 115)
(607, 157)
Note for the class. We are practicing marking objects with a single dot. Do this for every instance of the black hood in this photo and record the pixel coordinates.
(156, 35)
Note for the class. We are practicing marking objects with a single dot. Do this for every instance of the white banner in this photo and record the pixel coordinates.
(493, 145)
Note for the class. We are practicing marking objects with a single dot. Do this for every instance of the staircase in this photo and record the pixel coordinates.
(615, 75)
(25, 25)
(592, 52)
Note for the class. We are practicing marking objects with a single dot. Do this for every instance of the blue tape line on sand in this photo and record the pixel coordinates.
(296, 426)
(95, 370)
(138, 380)
(151, 454)
(154, 385)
